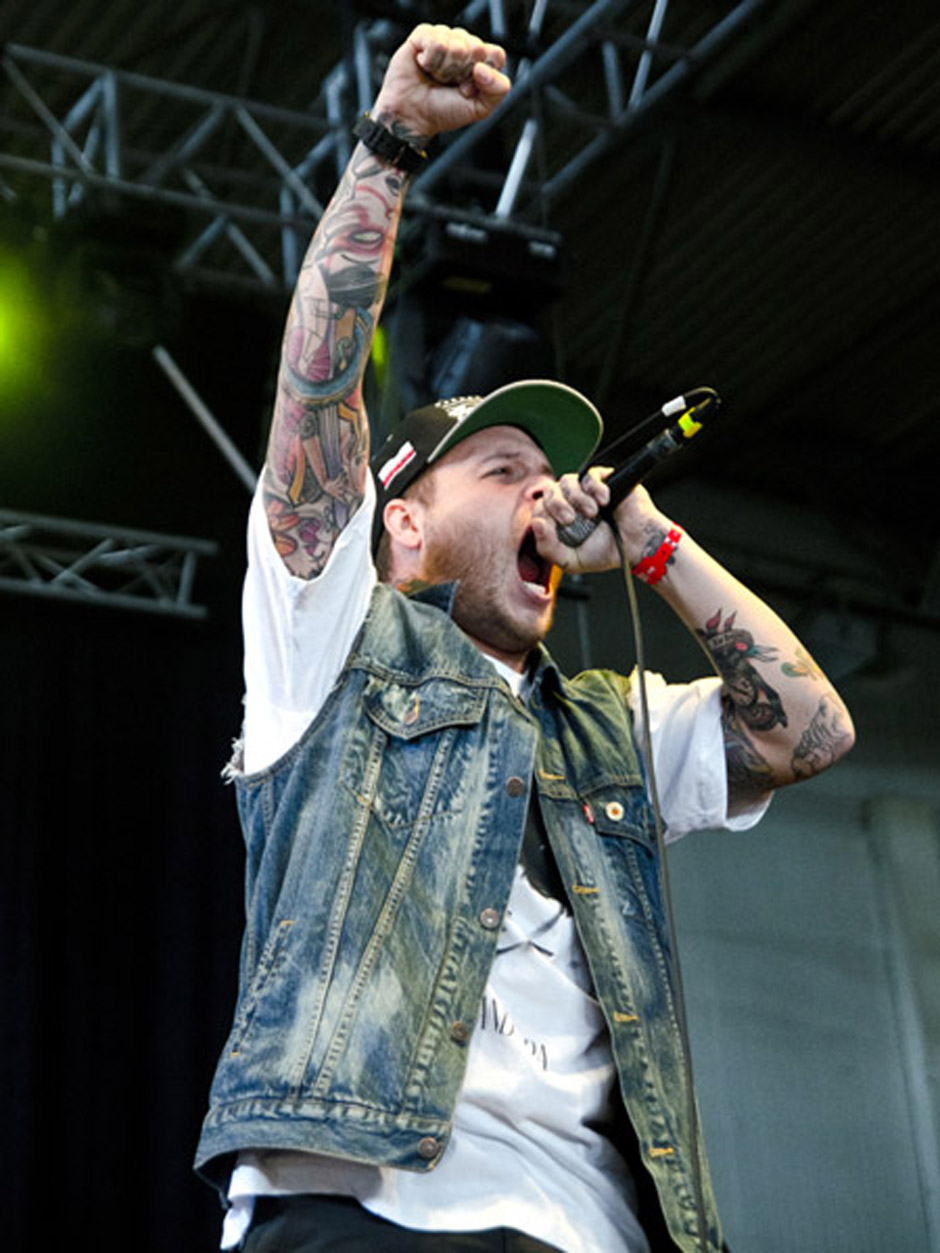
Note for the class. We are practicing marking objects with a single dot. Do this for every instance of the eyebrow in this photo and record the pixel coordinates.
(516, 454)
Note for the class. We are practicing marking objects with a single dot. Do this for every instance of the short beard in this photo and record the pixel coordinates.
(477, 609)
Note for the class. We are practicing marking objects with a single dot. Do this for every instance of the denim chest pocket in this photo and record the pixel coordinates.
(621, 813)
(407, 712)
(410, 757)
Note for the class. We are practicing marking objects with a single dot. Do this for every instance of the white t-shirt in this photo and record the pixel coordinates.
(525, 1151)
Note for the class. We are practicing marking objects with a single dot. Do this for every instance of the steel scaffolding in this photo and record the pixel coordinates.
(110, 566)
(87, 128)
(585, 74)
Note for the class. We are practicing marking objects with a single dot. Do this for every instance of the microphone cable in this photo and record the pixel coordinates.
(646, 746)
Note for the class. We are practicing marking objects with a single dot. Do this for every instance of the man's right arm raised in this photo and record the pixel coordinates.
(318, 451)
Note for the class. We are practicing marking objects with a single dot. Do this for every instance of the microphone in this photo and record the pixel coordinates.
(693, 408)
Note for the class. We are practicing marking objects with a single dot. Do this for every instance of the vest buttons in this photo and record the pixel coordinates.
(490, 919)
(459, 1031)
(515, 786)
(428, 1147)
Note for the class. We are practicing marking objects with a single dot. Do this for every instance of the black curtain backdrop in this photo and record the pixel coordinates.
(121, 909)
(121, 892)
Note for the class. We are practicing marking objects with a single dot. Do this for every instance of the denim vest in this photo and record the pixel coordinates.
(381, 851)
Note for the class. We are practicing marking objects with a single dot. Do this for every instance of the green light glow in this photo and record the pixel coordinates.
(380, 354)
(22, 326)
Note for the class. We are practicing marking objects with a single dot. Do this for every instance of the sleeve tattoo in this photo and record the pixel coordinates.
(318, 452)
(748, 772)
(733, 650)
(751, 705)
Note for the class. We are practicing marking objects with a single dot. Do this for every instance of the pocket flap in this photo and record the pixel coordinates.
(409, 711)
(622, 813)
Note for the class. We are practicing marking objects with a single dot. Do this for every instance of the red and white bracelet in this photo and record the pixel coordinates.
(652, 568)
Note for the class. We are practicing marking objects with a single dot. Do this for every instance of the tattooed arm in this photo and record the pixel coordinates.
(782, 719)
(318, 451)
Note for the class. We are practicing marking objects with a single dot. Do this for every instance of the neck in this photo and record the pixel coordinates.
(515, 661)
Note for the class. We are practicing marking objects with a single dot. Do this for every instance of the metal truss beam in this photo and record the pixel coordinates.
(116, 568)
(88, 128)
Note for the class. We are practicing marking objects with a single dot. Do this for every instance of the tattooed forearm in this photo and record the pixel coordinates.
(318, 450)
(653, 534)
(748, 773)
(824, 741)
(654, 537)
(733, 651)
(776, 730)
(405, 133)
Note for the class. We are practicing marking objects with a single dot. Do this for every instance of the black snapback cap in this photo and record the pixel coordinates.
(565, 425)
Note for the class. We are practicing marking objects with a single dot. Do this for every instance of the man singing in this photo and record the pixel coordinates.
(457, 1024)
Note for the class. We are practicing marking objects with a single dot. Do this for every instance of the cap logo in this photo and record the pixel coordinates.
(459, 407)
(394, 466)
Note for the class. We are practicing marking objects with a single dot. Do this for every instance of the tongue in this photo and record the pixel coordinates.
(529, 567)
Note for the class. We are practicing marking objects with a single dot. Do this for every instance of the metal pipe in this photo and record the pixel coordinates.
(669, 82)
(517, 168)
(205, 417)
(646, 59)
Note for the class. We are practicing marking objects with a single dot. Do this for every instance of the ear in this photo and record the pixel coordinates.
(404, 522)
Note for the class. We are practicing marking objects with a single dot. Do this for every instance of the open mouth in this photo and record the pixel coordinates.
(533, 568)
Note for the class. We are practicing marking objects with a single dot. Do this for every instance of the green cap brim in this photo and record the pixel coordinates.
(565, 425)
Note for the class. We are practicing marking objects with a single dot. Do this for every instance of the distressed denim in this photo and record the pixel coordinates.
(380, 856)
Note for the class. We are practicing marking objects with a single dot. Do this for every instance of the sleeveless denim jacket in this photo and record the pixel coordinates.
(381, 851)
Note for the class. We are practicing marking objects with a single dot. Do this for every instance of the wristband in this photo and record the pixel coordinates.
(652, 568)
(384, 143)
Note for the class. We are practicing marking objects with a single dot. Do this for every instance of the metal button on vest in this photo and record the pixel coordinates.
(490, 919)
(514, 785)
(428, 1147)
(459, 1031)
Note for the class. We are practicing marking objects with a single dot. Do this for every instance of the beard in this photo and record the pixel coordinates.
(485, 572)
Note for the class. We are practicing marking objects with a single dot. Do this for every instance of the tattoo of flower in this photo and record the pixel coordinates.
(803, 667)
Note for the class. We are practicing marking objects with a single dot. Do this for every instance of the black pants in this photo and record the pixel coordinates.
(326, 1224)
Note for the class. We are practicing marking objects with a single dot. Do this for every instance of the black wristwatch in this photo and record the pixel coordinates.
(380, 140)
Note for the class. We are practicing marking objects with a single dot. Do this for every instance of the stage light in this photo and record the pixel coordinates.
(22, 326)
(379, 354)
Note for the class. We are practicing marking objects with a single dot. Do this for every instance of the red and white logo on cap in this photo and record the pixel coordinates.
(394, 466)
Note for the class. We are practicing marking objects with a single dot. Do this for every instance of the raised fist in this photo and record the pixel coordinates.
(440, 79)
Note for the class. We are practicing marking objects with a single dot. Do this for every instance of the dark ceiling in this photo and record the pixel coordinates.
(765, 222)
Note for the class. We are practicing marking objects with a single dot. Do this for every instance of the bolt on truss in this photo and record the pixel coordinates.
(114, 567)
(583, 74)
